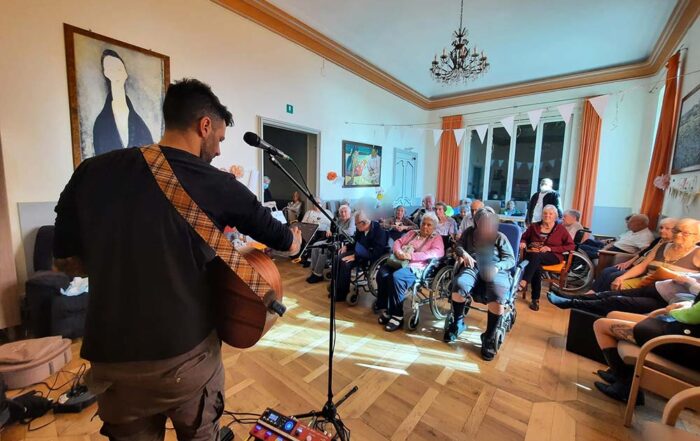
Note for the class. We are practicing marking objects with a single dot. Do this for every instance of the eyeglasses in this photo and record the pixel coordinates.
(683, 233)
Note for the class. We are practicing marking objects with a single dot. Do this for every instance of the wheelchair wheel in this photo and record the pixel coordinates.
(352, 298)
(500, 336)
(372, 274)
(580, 275)
(440, 293)
(513, 316)
(414, 320)
(327, 273)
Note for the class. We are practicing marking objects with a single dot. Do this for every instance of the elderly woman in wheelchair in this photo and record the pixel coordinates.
(411, 255)
(486, 258)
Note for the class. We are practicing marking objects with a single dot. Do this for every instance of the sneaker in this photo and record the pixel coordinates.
(313, 278)
(607, 376)
(452, 332)
(619, 391)
(535, 305)
(488, 348)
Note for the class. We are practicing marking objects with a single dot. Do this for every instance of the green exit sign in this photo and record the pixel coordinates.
(290, 108)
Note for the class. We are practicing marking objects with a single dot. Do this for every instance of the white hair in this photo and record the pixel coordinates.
(550, 207)
(430, 216)
(361, 216)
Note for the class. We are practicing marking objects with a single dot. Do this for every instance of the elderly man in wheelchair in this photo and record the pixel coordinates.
(483, 274)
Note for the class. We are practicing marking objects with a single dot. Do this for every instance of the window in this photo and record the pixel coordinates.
(477, 160)
(525, 144)
(498, 175)
(552, 151)
(504, 168)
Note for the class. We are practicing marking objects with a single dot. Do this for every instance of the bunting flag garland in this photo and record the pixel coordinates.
(437, 134)
(599, 103)
(565, 110)
(459, 134)
(535, 116)
(481, 130)
(387, 131)
(508, 122)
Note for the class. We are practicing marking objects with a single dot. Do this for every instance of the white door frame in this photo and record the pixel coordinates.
(264, 121)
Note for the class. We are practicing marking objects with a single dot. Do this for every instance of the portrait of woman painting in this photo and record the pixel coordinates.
(115, 91)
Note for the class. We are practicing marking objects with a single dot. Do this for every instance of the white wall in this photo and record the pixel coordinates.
(254, 72)
(674, 206)
(625, 146)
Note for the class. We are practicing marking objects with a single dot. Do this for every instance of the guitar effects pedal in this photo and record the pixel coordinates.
(273, 426)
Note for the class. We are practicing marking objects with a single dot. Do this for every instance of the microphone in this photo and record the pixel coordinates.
(254, 140)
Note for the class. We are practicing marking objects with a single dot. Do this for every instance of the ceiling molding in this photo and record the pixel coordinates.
(275, 19)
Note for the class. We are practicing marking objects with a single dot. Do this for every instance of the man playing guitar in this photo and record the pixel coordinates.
(150, 328)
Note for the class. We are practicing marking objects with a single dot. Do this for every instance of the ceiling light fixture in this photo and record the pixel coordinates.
(461, 64)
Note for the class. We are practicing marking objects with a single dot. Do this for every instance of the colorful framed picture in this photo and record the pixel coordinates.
(362, 164)
(115, 91)
(686, 154)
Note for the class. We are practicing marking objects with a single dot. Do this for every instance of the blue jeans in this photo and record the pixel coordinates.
(602, 283)
(392, 286)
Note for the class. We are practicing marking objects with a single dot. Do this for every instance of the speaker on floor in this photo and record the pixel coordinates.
(580, 337)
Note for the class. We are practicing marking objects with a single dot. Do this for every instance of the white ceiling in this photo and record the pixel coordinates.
(523, 39)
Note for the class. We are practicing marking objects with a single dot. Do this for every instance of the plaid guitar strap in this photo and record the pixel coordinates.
(199, 221)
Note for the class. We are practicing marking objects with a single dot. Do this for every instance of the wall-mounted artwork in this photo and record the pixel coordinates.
(686, 155)
(362, 164)
(116, 93)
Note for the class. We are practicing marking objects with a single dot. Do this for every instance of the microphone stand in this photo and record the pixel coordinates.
(329, 413)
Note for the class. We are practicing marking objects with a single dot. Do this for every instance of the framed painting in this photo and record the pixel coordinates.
(362, 164)
(115, 91)
(686, 154)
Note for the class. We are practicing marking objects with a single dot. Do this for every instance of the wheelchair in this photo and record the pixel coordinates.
(420, 293)
(364, 278)
(575, 273)
(441, 292)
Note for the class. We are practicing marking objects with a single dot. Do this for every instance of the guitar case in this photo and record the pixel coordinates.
(27, 362)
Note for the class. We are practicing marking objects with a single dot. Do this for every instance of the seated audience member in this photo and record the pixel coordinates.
(446, 225)
(314, 216)
(370, 244)
(461, 213)
(675, 319)
(486, 262)
(677, 266)
(544, 243)
(428, 207)
(604, 281)
(411, 254)
(636, 238)
(572, 222)
(293, 208)
(468, 220)
(546, 196)
(319, 256)
(267, 195)
(511, 209)
(399, 223)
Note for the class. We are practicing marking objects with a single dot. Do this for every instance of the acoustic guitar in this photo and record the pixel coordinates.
(244, 316)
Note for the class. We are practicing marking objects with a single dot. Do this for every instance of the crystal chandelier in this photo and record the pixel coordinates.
(462, 63)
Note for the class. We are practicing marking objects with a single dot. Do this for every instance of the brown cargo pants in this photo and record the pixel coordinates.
(135, 398)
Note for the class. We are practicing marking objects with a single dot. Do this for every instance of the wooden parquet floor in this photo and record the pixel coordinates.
(412, 386)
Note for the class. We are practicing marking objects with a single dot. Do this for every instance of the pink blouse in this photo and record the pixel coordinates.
(433, 248)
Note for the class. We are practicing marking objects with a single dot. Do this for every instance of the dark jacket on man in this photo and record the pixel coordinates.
(374, 241)
(551, 198)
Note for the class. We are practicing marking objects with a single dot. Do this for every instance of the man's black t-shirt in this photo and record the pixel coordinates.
(149, 298)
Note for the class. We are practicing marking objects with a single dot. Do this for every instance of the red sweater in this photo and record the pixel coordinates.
(559, 240)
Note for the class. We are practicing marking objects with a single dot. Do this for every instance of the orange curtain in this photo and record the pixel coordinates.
(663, 145)
(587, 173)
(448, 167)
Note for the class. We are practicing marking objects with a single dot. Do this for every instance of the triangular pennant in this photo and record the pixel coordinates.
(508, 122)
(459, 134)
(565, 111)
(500, 163)
(529, 166)
(535, 116)
(437, 134)
(518, 164)
(552, 162)
(387, 131)
(599, 103)
(481, 130)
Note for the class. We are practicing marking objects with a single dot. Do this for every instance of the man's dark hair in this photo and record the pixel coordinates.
(189, 100)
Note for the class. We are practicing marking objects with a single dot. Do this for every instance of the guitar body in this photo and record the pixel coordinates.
(243, 316)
